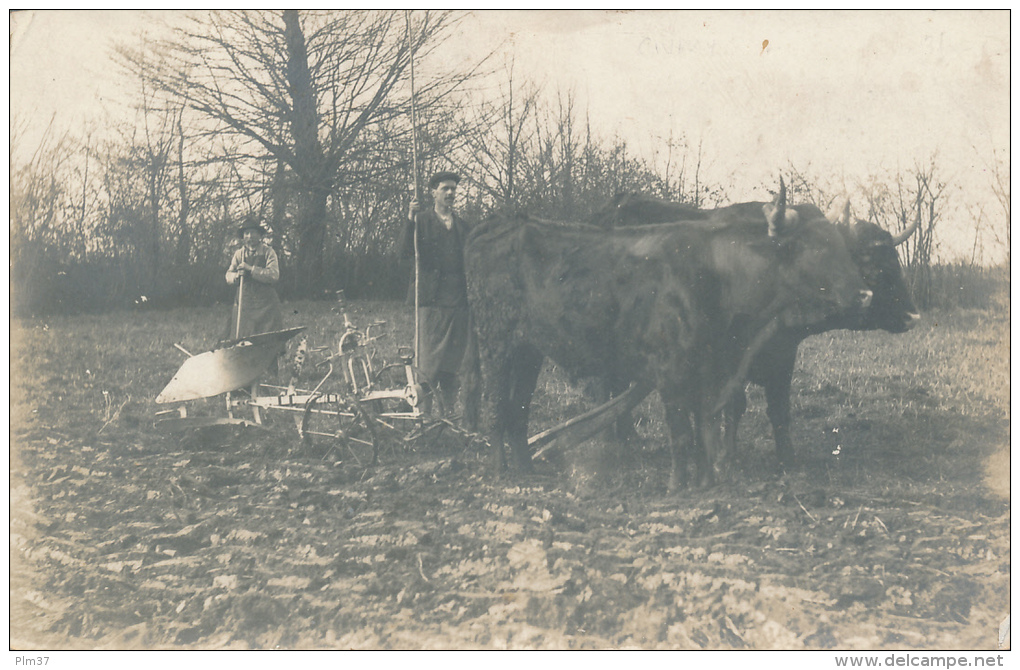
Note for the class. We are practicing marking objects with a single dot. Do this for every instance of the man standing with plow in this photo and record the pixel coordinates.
(255, 337)
(255, 270)
(436, 238)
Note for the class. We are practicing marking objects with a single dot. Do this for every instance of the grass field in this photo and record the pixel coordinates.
(893, 533)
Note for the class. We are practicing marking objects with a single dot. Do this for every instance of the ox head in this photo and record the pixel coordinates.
(821, 286)
(874, 251)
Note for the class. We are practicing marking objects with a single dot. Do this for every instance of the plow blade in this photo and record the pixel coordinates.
(177, 424)
(234, 365)
(584, 426)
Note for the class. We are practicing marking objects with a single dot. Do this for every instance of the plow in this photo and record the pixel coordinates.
(357, 405)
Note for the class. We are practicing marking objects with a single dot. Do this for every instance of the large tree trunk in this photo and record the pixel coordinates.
(308, 268)
(309, 162)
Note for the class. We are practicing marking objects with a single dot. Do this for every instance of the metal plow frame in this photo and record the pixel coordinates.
(367, 404)
(358, 395)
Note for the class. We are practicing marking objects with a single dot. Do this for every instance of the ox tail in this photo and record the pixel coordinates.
(737, 380)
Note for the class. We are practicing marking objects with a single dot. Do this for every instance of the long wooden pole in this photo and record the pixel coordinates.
(237, 326)
(414, 171)
(240, 295)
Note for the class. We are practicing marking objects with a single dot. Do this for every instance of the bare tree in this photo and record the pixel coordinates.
(562, 160)
(299, 90)
(499, 138)
(806, 186)
(1000, 174)
(154, 149)
(57, 204)
(37, 193)
(923, 198)
(921, 194)
(681, 173)
(182, 255)
(542, 156)
(566, 143)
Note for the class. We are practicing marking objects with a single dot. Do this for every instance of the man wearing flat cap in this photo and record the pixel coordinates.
(444, 328)
(257, 263)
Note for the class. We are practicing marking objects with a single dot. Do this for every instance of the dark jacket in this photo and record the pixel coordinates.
(441, 260)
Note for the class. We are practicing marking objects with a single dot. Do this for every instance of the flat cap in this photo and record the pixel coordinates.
(439, 177)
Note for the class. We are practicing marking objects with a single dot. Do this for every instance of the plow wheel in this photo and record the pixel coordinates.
(416, 390)
(343, 432)
(415, 418)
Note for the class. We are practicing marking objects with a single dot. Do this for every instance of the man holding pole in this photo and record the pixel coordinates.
(435, 238)
(255, 270)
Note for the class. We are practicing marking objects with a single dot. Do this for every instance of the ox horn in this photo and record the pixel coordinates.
(775, 213)
(842, 221)
(838, 215)
(845, 216)
(902, 237)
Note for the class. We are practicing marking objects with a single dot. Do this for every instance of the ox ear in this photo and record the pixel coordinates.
(902, 237)
(775, 212)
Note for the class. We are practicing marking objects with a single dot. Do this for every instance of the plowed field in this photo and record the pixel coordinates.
(892, 534)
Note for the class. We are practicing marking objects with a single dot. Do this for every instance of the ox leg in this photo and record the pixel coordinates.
(681, 439)
(497, 427)
(494, 380)
(625, 430)
(707, 442)
(621, 437)
(471, 390)
(731, 421)
(777, 395)
(777, 383)
(524, 367)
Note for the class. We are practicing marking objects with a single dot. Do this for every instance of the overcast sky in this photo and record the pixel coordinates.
(846, 93)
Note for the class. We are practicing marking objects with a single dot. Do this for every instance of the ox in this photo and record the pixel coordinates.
(680, 308)
(872, 249)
